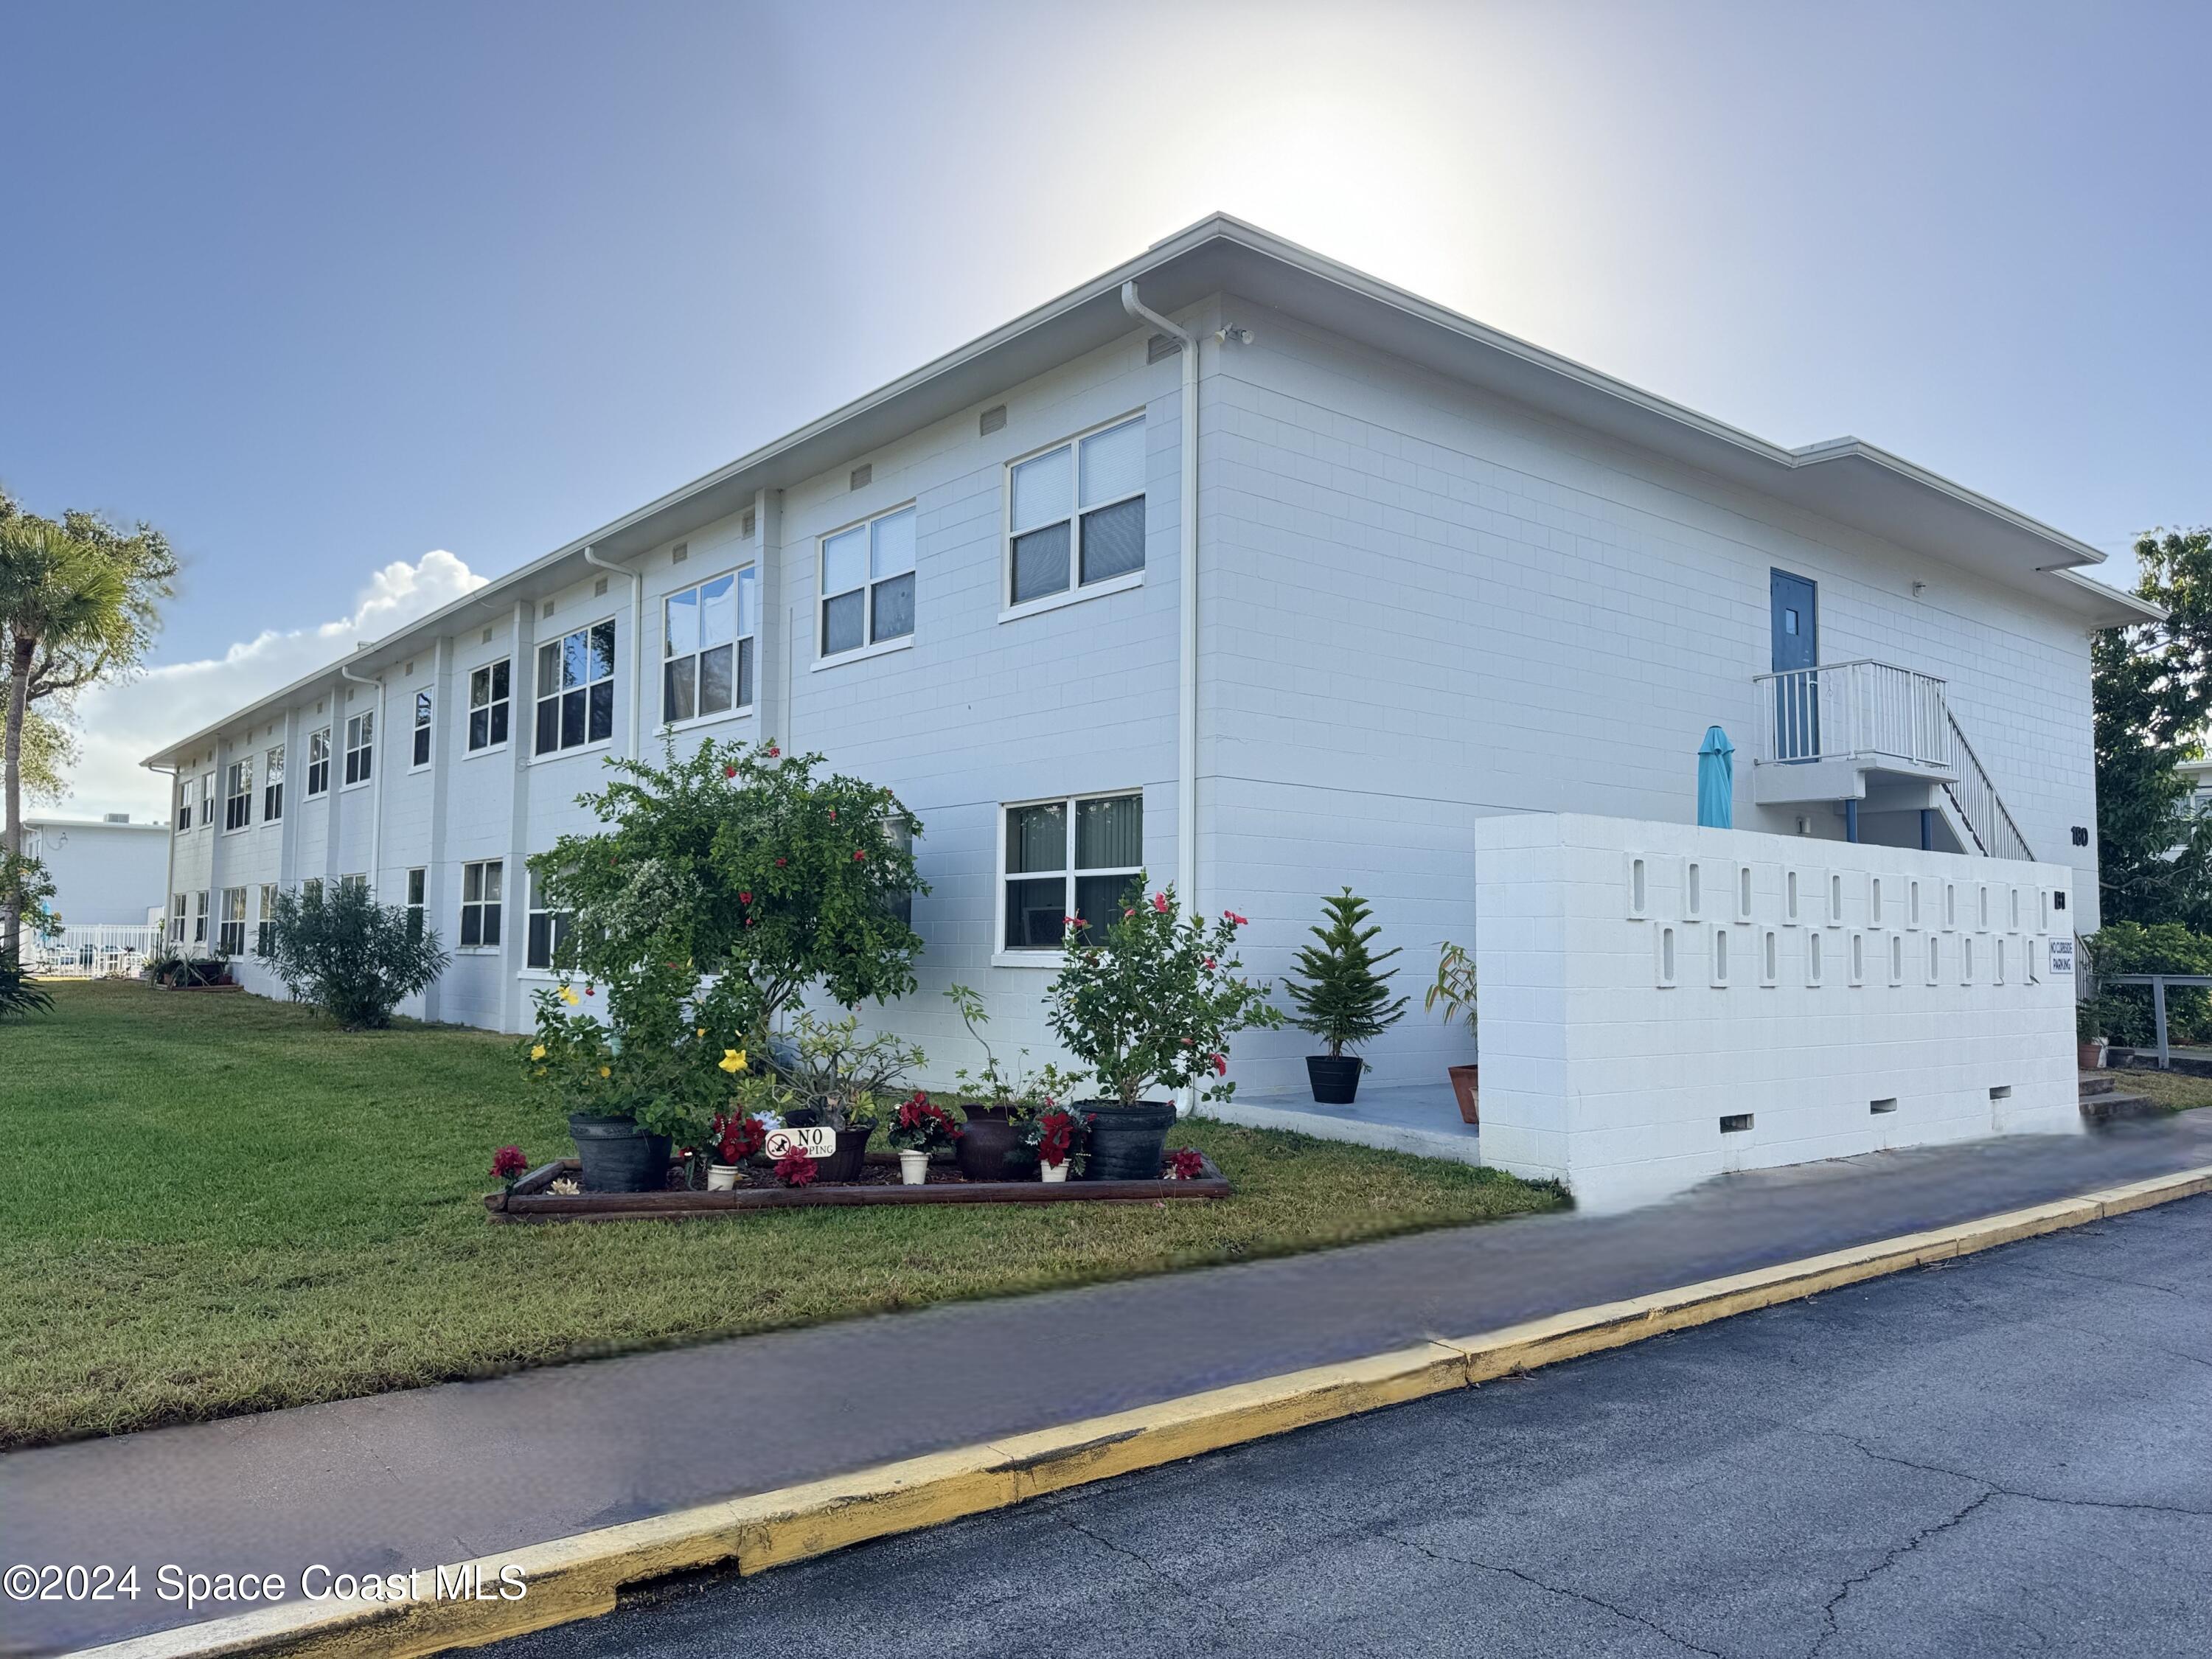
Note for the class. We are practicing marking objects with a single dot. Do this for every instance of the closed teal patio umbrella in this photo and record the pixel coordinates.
(1717, 780)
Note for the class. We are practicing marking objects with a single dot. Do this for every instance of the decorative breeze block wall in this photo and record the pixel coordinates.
(1662, 1003)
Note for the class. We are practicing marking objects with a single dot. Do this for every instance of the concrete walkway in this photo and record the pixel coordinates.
(1420, 1118)
(443, 1474)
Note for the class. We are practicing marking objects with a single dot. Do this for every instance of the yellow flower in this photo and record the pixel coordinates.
(702, 1031)
(538, 1051)
(606, 1071)
(568, 995)
(733, 1060)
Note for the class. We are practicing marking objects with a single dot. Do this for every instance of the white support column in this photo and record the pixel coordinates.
(514, 894)
(779, 635)
(449, 727)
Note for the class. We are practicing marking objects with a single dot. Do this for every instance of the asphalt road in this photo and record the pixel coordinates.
(2007, 1455)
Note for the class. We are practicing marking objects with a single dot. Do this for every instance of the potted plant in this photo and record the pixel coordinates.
(919, 1128)
(841, 1078)
(1150, 1001)
(2088, 1036)
(731, 1137)
(1057, 1134)
(1454, 989)
(1341, 998)
(998, 1103)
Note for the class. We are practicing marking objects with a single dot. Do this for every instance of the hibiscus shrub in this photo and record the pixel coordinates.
(1151, 1000)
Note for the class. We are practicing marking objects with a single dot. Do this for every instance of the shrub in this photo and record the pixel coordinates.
(1341, 997)
(2125, 1011)
(337, 947)
(1156, 1001)
(631, 1048)
(21, 994)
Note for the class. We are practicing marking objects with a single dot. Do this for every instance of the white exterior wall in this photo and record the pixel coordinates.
(104, 874)
(1422, 605)
(1603, 1069)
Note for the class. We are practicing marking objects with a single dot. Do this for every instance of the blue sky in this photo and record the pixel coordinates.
(324, 291)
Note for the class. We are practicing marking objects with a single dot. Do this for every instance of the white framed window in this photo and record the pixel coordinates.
(179, 904)
(360, 747)
(272, 785)
(1075, 514)
(207, 800)
(1071, 857)
(417, 886)
(547, 940)
(230, 930)
(356, 882)
(319, 762)
(312, 889)
(577, 688)
(184, 802)
(707, 648)
(264, 930)
(482, 887)
(867, 583)
(238, 796)
(200, 917)
(488, 706)
(419, 756)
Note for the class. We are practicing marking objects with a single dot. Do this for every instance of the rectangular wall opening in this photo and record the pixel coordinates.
(1736, 1124)
(2002, 1091)
(1878, 1106)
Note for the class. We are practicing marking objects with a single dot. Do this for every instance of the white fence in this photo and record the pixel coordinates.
(1849, 710)
(93, 952)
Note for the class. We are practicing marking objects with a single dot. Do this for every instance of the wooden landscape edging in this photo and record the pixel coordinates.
(529, 1200)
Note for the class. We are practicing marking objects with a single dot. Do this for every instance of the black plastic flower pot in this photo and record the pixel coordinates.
(1335, 1078)
(1124, 1143)
(619, 1156)
(850, 1157)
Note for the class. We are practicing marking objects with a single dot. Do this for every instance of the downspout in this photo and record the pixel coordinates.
(375, 779)
(636, 638)
(169, 883)
(1187, 592)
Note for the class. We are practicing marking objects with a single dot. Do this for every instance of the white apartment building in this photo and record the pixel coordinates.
(1233, 564)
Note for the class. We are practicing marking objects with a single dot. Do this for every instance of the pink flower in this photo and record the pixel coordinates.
(729, 771)
(779, 862)
(1234, 920)
(857, 855)
(1221, 1065)
(1160, 903)
(744, 898)
(833, 815)
(1209, 961)
(1126, 914)
(773, 752)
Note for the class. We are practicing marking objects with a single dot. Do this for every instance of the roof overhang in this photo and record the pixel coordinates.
(1843, 480)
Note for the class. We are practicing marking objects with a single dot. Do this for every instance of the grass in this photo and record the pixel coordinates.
(2176, 1090)
(217, 1204)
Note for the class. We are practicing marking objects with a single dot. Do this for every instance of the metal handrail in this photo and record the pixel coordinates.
(1981, 809)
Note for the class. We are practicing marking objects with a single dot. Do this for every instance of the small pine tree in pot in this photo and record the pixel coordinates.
(1341, 997)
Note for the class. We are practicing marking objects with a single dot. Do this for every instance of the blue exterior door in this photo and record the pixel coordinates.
(1796, 626)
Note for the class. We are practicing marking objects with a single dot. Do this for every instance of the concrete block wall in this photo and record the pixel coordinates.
(1662, 1003)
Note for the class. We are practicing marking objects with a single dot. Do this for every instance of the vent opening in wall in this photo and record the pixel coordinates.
(1789, 897)
(1835, 898)
(599, 588)
(1812, 942)
(2002, 1091)
(1769, 954)
(1896, 959)
(1913, 904)
(1636, 887)
(487, 636)
(1880, 1106)
(1736, 1123)
(1873, 904)
(682, 551)
(1666, 956)
(1720, 956)
(1161, 345)
(1743, 892)
(747, 525)
(1858, 958)
(1693, 885)
(862, 473)
(546, 609)
(992, 419)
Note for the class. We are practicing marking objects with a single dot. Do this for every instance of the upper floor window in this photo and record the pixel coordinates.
(577, 688)
(319, 760)
(360, 746)
(488, 706)
(867, 583)
(272, 785)
(1076, 513)
(206, 800)
(238, 797)
(706, 645)
(184, 802)
(1068, 859)
(421, 754)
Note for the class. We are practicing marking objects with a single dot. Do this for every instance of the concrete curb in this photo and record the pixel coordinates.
(577, 1577)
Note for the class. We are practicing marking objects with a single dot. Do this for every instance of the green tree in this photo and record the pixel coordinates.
(1339, 996)
(2152, 685)
(78, 606)
(354, 958)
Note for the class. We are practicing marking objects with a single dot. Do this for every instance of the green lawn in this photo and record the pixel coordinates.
(214, 1204)
(2177, 1090)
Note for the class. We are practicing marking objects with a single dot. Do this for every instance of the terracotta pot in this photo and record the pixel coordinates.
(2089, 1055)
(1464, 1085)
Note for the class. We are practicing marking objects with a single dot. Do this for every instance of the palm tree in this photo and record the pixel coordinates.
(58, 596)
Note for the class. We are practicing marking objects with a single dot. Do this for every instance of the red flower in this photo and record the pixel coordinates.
(773, 752)
(1209, 961)
(796, 1168)
(1234, 920)
(1221, 1065)
(737, 1137)
(1126, 914)
(857, 855)
(729, 771)
(1160, 902)
(1184, 1164)
(508, 1163)
(744, 898)
(779, 862)
(833, 815)
(588, 990)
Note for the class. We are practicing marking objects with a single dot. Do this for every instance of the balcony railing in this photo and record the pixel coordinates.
(1865, 711)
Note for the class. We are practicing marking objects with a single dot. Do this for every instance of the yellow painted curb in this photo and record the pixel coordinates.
(579, 1577)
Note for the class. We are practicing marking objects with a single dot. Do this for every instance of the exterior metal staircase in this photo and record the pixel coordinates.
(1883, 738)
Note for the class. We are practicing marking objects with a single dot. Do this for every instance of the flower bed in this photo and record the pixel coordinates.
(531, 1197)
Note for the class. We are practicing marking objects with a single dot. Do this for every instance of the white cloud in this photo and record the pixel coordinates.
(118, 725)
